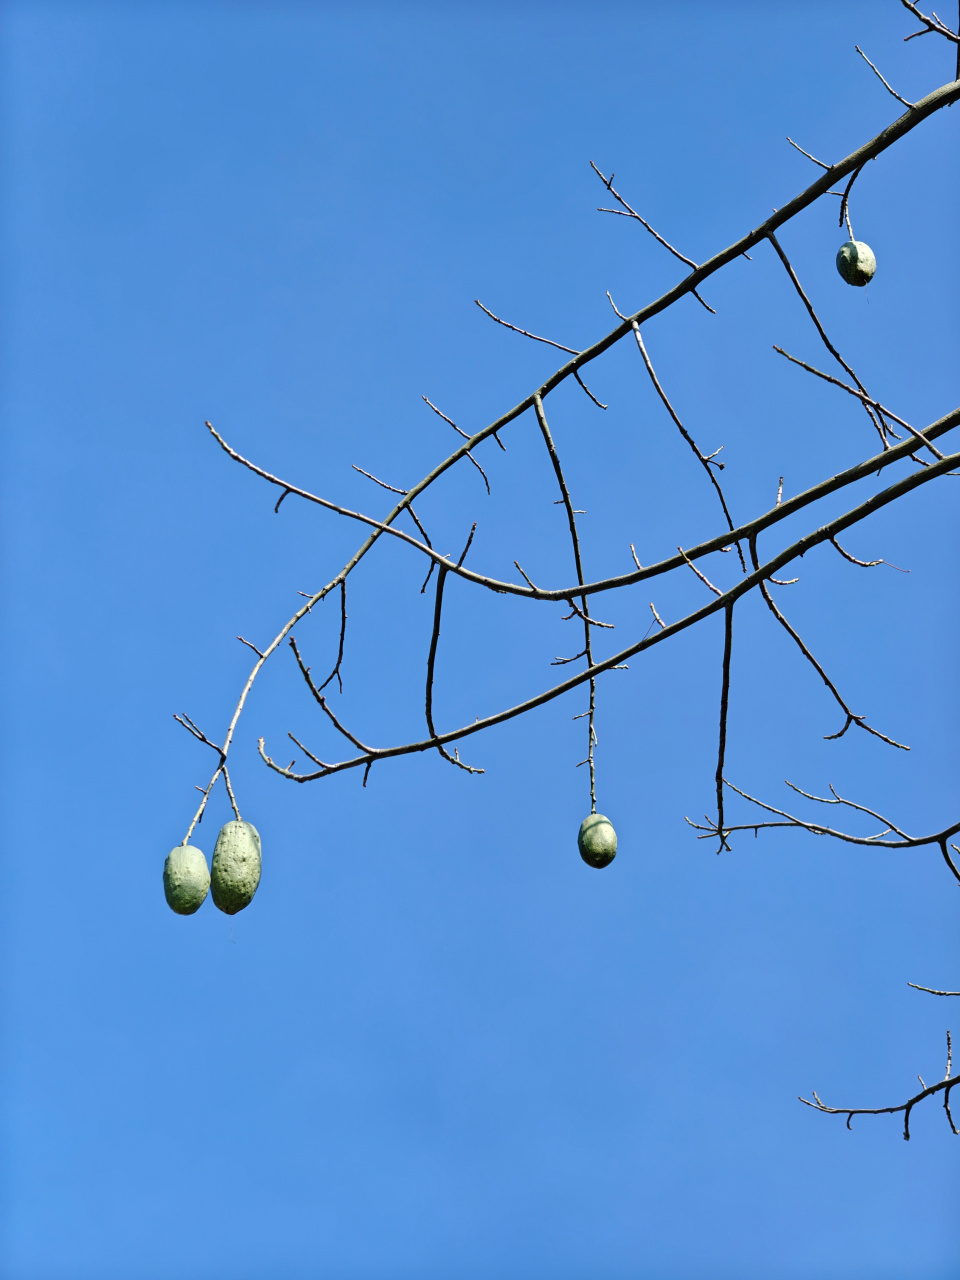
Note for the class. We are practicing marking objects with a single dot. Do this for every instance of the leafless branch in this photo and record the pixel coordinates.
(863, 397)
(852, 717)
(932, 23)
(944, 1087)
(877, 422)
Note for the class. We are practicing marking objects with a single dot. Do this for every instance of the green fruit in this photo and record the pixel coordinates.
(236, 866)
(597, 841)
(856, 263)
(185, 879)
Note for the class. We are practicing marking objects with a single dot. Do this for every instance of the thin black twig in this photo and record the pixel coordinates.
(584, 610)
(852, 717)
(343, 636)
(704, 461)
(724, 706)
(432, 658)
(877, 422)
(863, 397)
(933, 24)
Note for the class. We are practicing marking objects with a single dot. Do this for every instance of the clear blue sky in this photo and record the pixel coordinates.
(437, 1046)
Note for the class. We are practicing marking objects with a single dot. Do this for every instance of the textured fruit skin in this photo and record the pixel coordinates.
(856, 263)
(186, 879)
(236, 866)
(597, 841)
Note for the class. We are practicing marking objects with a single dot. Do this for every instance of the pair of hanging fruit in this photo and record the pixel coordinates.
(856, 263)
(236, 872)
(597, 841)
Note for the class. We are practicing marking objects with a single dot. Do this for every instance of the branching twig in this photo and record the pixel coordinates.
(863, 397)
(704, 461)
(933, 24)
(852, 717)
(877, 422)
(629, 212)
(944, 1087)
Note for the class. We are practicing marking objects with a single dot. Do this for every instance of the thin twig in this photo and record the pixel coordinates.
(343, 636)
(703, 578)
(526, 333)
(382, 483)
(460, 432)
(934, 24)
(807, 154)
(865, 564)
(852, 718)
(724, 705)
(701, 458)
(632, 213)
(862, 396)
(877, 422)
(432, 658)
(911, 105)
(589, 392)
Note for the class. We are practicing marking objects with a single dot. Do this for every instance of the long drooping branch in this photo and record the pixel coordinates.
(861, 471)
(727, 599)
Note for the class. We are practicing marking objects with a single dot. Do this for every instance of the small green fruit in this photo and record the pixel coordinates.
(597, 841)
(236, 866)
(186, 879)
(856, 263)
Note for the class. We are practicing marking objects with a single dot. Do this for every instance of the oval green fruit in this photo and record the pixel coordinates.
(236, 866)
(856, 263)
(597, 841)
(186, 879)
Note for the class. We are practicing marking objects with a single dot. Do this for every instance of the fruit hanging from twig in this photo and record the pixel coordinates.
(856, 263)
(597, 841)
(236, 866)
(186, 879)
